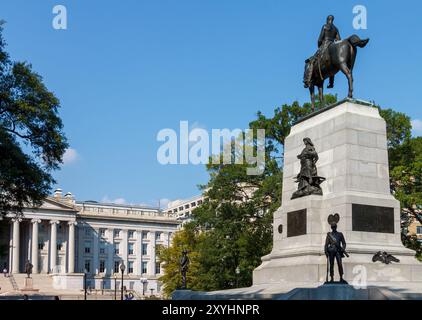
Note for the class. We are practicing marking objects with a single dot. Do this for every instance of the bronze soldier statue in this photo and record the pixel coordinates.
(28, 268)
(184, 266)
(309, 182)
(329, 34)
(335, 247)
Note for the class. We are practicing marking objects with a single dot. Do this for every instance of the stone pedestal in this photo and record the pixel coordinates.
(28, 285)
(350, 139)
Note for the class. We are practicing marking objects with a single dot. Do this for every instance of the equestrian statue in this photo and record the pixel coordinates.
(333, 55)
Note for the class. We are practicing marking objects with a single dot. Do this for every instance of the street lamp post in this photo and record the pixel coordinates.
(115, 287)
(144, 282)
(85, 289)
(237, 276)
(122, 269)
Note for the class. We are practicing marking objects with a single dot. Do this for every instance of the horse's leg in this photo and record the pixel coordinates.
(312, 92)
(321, 94)
(345, 69)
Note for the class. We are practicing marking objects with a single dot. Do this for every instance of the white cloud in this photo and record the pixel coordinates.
(164, 203)
(70, 156)
(417, 127)
(106, 199)
(119, 201)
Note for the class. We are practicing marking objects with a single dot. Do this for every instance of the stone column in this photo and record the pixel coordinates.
(95, 253)
(151, 248)
(167, 239)
(53, 245)
(124, 247)
(71, 253)
(138, 248)
(34, 242)
(15, 252)
(110, 251)
(10, 262)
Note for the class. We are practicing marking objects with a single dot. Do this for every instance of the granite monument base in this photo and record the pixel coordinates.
(351, 141)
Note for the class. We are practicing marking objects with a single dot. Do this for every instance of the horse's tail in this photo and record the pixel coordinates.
(355, 41)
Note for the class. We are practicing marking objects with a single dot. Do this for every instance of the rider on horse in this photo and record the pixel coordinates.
(329, 34)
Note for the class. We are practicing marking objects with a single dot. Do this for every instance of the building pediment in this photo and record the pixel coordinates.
(51, 203)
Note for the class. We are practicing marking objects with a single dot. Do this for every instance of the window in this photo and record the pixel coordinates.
(116, 248)
(158, 268)
(131, 234)
(157, 235)
(102, 232)
(102, 247)
(116, 266)
(88, 266)
(131, 249)
(144, 235)
(87, 232)
(116, 233)
(186, 206)
(59, 247)
(180, 208)
(130, 267)
(419, 229)
(87, 247)
(41, 246)
(193, 204)
(131, 285)
(199, 202)
(102, 266)
(144, 267)
(144, 249)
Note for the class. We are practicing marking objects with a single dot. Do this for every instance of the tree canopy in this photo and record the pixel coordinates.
(32, 142)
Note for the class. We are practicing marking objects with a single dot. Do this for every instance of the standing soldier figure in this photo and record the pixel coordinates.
(335, 247)
(184, 266)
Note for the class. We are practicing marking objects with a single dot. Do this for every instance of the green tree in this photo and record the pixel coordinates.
(185, 239)
(28, 121)
(406, 178)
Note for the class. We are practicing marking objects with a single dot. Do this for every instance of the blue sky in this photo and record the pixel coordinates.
(124, 70)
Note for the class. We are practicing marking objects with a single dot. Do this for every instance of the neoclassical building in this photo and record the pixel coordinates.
(182, 209)
(66, 239)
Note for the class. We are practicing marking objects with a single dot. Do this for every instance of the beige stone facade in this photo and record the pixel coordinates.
(65, 239)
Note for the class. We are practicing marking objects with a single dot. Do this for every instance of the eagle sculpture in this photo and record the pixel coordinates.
(384, 257)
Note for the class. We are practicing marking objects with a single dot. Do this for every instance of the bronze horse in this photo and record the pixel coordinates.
(339, 56)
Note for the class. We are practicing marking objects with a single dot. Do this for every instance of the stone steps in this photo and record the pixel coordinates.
(43, 282)
(5, 285)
